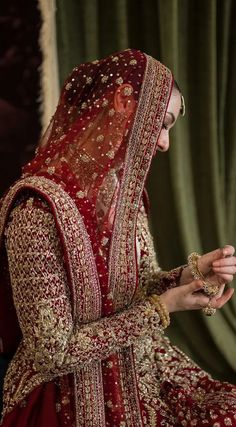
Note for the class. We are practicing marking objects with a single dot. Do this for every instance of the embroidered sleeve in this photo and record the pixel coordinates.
(42, 300)
(152, 279)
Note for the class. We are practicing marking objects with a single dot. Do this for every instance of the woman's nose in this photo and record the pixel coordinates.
(163, 142)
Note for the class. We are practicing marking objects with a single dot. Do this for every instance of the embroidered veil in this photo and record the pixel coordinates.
(104, 156)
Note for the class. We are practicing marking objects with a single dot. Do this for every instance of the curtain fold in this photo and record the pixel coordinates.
(49, 67)
(192, 188)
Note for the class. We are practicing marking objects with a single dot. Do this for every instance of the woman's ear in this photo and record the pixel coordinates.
(124, 101)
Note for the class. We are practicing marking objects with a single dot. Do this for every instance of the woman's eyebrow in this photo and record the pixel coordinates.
(172, 116)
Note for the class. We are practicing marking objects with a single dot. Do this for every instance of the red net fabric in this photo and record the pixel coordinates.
(87, 136)
(101, 155)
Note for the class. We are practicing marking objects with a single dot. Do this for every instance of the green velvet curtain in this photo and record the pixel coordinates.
(192, 188)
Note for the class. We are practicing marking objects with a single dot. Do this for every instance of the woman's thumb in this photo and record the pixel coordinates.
(195, 285)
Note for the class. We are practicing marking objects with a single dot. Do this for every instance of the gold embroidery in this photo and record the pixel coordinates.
(89, 80)
(68, 86)
(157, 363)
(104, 79)
(52, 343)
(119, 81)
(69, 220)
(80, 194)
(133, 62)
(100, 138)
(84, 105)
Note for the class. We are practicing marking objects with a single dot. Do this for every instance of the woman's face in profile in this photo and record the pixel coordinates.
(171, 116)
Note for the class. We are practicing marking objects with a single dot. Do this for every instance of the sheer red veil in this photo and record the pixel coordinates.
(102, 155)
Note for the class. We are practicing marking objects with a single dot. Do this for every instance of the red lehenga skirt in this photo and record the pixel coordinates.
(173, 391)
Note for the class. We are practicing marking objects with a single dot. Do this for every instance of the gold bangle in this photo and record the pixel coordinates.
(210, 289)
(161, 308)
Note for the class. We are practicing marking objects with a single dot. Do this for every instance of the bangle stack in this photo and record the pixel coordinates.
(210, 289)
(161, 308)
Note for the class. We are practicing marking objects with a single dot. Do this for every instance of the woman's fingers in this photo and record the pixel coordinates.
(225, 278)
(219, 302)
(200, 300)
(206, 261)
(185, 297)
(191, 297)
(225, 270)
(194, 286)
(228, 250)
(223, 262)
(195, 298)
(221, 291)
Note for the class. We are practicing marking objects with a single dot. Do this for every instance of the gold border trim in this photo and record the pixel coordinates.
(82, 270)
(149, 117)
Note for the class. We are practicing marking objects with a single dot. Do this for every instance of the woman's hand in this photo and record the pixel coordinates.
(190, 297)
(218, 267)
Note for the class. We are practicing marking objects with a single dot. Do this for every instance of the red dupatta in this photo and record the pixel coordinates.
(103, 157)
